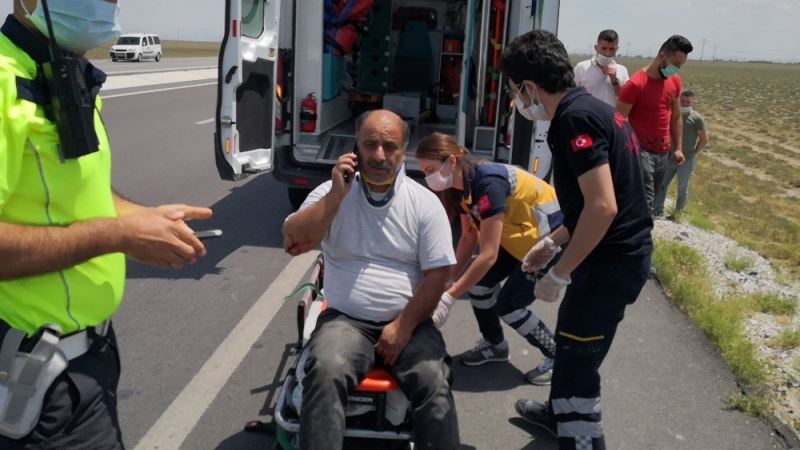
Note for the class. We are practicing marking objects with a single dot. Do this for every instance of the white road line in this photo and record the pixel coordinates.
(106, 97)
(179, 419)
(203, 122)
(171, 69)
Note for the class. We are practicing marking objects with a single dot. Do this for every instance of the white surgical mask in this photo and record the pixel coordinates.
(534, 111)
(604, 60)
(438, 182)
(78, 25)
(686, 109)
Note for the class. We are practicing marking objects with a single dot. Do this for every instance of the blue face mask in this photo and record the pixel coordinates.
(78, 25)
(669, 71)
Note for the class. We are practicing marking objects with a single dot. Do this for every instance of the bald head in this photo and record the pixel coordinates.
(382, 138)
(384, 119)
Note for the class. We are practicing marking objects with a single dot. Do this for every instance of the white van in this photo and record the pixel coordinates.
(287, 103)
(136, 47)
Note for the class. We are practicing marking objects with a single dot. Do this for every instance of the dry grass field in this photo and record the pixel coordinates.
(747, 184)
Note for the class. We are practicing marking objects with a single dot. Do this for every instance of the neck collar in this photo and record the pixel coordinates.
(26, 40)
(389, 195)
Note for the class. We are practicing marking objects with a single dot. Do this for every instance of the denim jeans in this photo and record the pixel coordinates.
(341, 352)
(684, 173)
(654, 166)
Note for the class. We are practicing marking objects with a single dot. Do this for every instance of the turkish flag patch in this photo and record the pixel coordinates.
(484, 204)
(582, 142)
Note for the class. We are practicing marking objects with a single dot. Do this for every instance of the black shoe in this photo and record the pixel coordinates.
(539, 414)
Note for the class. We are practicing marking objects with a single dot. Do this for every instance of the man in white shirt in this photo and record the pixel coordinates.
(388, 256)
(600, 74)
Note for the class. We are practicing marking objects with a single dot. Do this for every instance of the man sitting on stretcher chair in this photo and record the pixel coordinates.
(388, 254)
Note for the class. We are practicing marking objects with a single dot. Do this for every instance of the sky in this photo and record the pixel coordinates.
(731, 29)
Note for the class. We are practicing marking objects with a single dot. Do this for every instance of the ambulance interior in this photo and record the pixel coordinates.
(407, 56)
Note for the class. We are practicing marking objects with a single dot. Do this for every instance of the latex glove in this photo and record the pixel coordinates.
(540, 255)
(551, 287)
(442, 311)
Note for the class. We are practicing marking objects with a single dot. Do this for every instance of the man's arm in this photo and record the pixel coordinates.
(560, 236)
(156, 236)
(624, 108)
(599, 210)
(37, 250)
(702, 140)
(626, 97)
(124, 205)
(396, 334)
(676, 131)
(305, 229)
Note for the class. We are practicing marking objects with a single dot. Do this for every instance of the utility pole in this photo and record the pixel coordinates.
(628, 52)
(714, 56)
(702, 47)
(649, 52)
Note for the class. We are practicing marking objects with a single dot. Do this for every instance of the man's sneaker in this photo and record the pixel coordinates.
(542, 374)
(539, 414)
(484, 352)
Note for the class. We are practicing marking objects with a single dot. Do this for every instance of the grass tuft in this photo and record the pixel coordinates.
(773, 304)
(683, 273)
(753, 405)
(739, 263)
(786, 340)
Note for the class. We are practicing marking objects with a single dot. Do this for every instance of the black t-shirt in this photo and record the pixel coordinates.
(586, 133)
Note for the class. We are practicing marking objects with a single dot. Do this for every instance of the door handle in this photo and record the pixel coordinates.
(230, 73)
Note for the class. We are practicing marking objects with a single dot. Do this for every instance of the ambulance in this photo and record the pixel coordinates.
(293, 76)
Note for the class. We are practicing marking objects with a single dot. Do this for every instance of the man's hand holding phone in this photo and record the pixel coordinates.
(342, 175)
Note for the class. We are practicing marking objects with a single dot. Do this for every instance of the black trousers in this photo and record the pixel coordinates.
(80, 408)
(510, 303)
(593, 306)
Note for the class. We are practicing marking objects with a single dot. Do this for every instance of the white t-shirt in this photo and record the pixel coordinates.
(590, 76)
(374, 257)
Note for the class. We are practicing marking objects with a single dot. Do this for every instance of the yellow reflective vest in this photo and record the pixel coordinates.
(38, 189)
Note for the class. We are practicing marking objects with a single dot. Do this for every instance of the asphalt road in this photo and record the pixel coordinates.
(166, 64)
(198, 362)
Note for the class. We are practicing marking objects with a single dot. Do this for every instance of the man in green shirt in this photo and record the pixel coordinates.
(64, 235)
(695, 138)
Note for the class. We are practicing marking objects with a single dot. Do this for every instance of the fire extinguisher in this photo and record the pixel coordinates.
(308, 114)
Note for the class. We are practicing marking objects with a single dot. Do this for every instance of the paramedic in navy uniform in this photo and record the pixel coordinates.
(607, 223)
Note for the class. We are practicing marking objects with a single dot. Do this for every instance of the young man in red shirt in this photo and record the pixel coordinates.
(651, 102)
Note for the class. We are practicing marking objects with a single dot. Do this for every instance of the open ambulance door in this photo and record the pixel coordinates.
(244, 140)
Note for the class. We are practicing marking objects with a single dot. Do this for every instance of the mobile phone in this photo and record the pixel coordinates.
(208, 234)
(349, 176)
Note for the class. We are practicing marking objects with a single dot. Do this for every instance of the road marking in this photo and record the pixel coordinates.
(106, 97)
(171, 69)
(175, 424)
(203, 122)
(149, 80)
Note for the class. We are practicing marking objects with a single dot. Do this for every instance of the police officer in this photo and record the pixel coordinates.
(64, 235)
(599, 185)
(505, 211)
